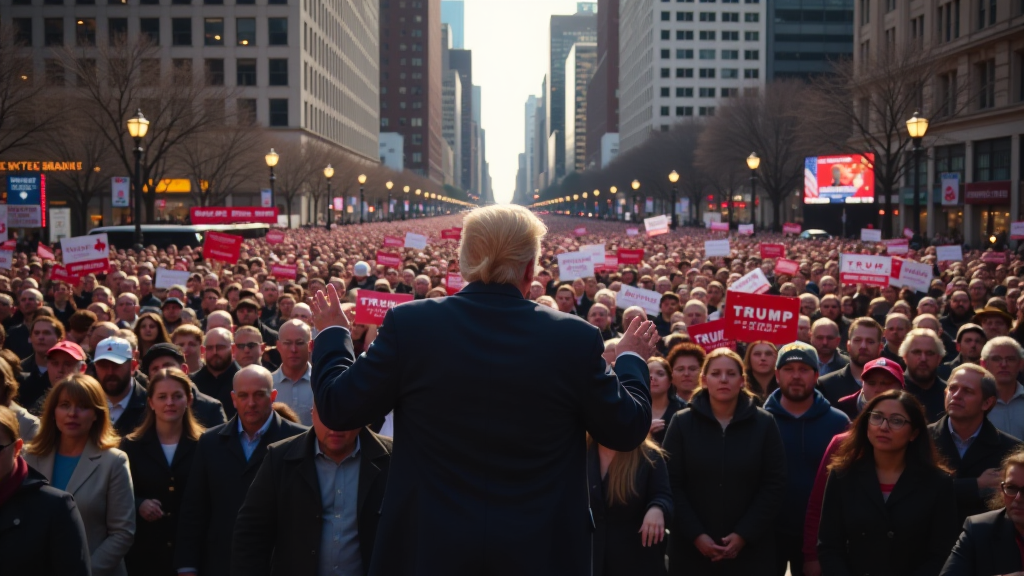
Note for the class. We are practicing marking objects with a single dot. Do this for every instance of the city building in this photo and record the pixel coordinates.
(603, 92)
(410, 81)
(453, 13)
(451, 124)
(529, 160)
(579, 69)
(565, 31)
(805, 38)
(461, 61)
(609, 149)
(679, 60)
(392, 150)
(539, 171)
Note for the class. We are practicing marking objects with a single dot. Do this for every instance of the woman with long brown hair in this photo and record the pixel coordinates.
(149, 329)
(664, 402)
(160, 453)
(889, 507)
(76, 450)
(728, 474)
(759, 361)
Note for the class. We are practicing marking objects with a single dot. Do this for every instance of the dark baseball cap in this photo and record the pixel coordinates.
(159, 351)
(248, 303)
(172, 300)
(969, 327)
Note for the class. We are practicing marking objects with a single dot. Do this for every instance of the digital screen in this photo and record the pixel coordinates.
(848, 179)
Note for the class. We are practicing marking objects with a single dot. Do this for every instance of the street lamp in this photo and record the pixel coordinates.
(753, 162)
(635, 185)
(673, 178)
(272, 158)
(389, 184)
(328, 173)
(362, 208)
(404, 208)
(917, 127)
(138, 126)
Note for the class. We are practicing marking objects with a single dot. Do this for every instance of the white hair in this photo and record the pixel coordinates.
(498, 242)
(986, 351)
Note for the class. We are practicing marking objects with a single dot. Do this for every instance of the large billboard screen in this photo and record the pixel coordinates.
(848, 179)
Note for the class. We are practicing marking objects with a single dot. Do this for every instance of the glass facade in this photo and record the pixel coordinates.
(806, 36)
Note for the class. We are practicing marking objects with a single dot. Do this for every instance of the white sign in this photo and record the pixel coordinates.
(573, 265)
(747, 229)
(870, 235)
(19, 216)
(1016, 230)
(649, 300)
(632, 231)
(754, 282)
(656, 225)
(60, 224)
(916, 275)
(85, 248)
(950, 188)
(716, 248)
(6, 259)
(415, 241)
(949, 253)
(166, 278)
(266, 198)
(596, 252)
(896, 247)
(120, 190)
(3, 221)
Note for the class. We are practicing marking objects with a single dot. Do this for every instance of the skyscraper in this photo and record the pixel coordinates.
(461, 61)
(453, 13)
(579, 69)
(529, 145)
(565, 31)
(806, 37)
(603, 92)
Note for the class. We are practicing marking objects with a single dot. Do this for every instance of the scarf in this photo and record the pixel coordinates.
(9, 486)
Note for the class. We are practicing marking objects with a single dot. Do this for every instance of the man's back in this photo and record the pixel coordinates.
(492, 396)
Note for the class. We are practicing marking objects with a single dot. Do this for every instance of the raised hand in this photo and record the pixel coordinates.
(327, 310)
(640, 337)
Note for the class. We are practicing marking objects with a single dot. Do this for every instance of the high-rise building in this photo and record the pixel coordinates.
(461, 61)
(680, 60)
(579, 69)
(805, 38)
(392, 153)
(539, 172)
(603, 92)
(451, 125)
(530, 144)
(565, 31)
(453, 13)
(410, 80)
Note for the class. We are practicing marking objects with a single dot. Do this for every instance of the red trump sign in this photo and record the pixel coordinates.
(710, 335)
(223, 247)
(751, 317)
(630, 256)
(372, 306)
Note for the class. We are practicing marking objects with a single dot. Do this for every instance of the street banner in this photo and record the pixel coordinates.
(656, 225)
(371, 306)
(784, 266)
(83, 255)
(995, 257)
(391, 260)
(60, 274)
(719, 226)
(710, 335)
(649, 205)
(870, 235)
(6, 259)
(232, 215)
(916, 275)
(44, 251)
(950, 188)
(773, 250)
(649, 300)
(953, 253)
(393, 242)
(580, 231)
(865, 269)
(415, 241)
(751, 317)
(632, 231)
(266, 198)
(60, 224)
(275, 237)
(716, 248)
(166, 278)
(790, 228)
(223, 247)
(454, 283)
(573, 265)
(896, 246)
(627, 256)
(596, 252)
(290, 271)
(451, 234)
(1016, 230)
(908, 233)
(745, 229)
(611, 264)
(754, 282)
(120, 190)
(339, 203)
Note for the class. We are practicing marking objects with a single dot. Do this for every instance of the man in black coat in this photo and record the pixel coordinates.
(489, 472)
(224, 465)
(988, 545)
(972, 445)
(207, 410)
(864, 345)
(298, 480)
(216, 376)
(970, 339)
(922, 352)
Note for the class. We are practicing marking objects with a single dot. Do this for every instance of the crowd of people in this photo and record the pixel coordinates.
(174, 430)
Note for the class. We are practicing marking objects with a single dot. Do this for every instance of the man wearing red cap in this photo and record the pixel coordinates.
(62, 359)
(879, 375)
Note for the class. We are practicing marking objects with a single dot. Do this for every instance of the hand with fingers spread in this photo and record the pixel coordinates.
(652, 531)
(327, 310)
(640, 337)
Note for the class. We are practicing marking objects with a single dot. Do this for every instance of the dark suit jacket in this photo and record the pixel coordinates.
(153, 478)
(217, 484)
(134, 413)
(280, 520)
(987, 451)
(987, 546)
(837, 385)
(35, 385)
(219, 387)
(946, 368)
(498, 469)
(18, 342)
(838, 361)
(207, 410)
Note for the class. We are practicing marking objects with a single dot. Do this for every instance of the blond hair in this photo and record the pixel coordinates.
(498, 242)
(190, 428)
(623, 467)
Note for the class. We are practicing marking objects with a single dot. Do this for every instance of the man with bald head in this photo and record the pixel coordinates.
(291, 380)
(218, 319)
(223, 467)
(216, 376)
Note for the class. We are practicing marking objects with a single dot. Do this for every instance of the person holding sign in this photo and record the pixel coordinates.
(495, 490)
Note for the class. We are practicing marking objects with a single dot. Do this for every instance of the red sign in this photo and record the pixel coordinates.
(720, 226)
(224, 247)
(580, 231)
(80, 269)
(784, 266)
(987, 192)
(60, 273)
(233, 215)
(710, 335)
(451, 234)
(995, 257)
(372, 306)
(454, 282)
(391, 260)
(393, 242)
(908, 233)
(275, 237)
(773, 250)
(285, 270)
(9, 245)
(630, 256)
(750, 317)
(44, 252)
(611, 264)
(790, 228)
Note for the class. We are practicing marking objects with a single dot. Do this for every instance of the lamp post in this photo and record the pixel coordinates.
(362, 208)
(597, 204)
(418, 192)
(328, 173)
(272, 158)
(615, 213)
(389, 184)
(404, 209)
(138, 126)
(917, 127)
(635, 185)
(673, 178)
(752, 162)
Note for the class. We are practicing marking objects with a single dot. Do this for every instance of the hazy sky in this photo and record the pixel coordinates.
(509, 40)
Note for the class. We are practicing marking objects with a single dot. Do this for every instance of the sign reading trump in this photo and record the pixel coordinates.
(750, 317)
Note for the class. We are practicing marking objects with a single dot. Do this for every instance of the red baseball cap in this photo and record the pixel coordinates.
(886, 365)
(69, 348)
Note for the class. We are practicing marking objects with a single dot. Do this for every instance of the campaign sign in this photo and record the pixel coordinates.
(44, 251)
(790, 228)
(391, 260)
(573, 265)
(649, 300)
(611, 264)
(60, 274)
(710, 335)
(656, 226)
(223, 247)
(233, 215)
(11, 244)
(275, 237)
(284, 271)
(339, 203)
(632, 231)
(85, 254)
(120, 192)
(870, 235)
(454, 283)
(166, 278)
(754, 282)
(1017, 230)
(750, 317)
(746, 229)
(716, 248)
(580, 231)
(596, 252)
(6, 259)
(784, 266)
(949, 253)
(415, 241)
(897, 246)
(908, 233)
(393, 242)
(720, 227)
(995, 257)
(916, 275)
(773, 250)
(24, 216)
(451, 234)
(865, 269)
(372, 306)
(630, 256)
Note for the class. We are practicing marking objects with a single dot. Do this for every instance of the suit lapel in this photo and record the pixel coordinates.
(947, 446)
(267, 439)
(230, 435)
(909, 481)
(305, 454)
(868, 479)
(87, 465)
(152, 449)
(368, 467)
(184, 450)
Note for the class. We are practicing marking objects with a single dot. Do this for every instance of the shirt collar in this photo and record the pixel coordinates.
(318, 452)
(123, 402)
(307, 375)
(949, 424)
(259, 433)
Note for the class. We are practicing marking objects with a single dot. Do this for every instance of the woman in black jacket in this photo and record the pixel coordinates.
(631, 503)
(889, 507)
(160, 453)
(728, 475)
(664, 402)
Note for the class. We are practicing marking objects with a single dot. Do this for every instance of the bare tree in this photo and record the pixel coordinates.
(78, 140)
(219, 160)
(27, 108)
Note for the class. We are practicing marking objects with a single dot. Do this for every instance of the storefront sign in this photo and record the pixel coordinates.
(234, 215)
(24, 166)
(997, 192)
(750, 317)
(26, 201)
(950, 188)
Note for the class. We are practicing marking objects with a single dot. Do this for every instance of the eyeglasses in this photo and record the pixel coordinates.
(1002, 359)
(1009, 489)
(248, 345)
(895, 421)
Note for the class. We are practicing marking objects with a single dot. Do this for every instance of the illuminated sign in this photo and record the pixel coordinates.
(29, 166)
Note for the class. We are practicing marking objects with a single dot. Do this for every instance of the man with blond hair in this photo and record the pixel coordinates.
(480, 490)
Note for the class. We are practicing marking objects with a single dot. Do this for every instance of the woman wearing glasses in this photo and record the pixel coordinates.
(889, 507)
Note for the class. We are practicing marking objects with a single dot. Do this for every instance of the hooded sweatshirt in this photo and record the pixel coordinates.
(804, 440)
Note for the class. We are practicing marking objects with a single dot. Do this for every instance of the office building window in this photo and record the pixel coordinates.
(278, 112)
(730, 92)
(117, 31)
(684, 16)
(665, 92)
(684, 92)
(150, 28)
(707, 34)
(181, 31)
(707, 93)
(684, 54)
(245, 110)
(684, 34)
(706, 111)
(751, 54)
(666, 54)
(750, 73)
(865, 11)
(684, 110)
(707, 54)
(666, 16)
(245, 31)
(707, 16)
(664, 110)
(53, 31)
(730, 54)
(992, 160)
(666, 73)
(684, 72)
(749, 17)
(730, 73)
(214, 71)
(986, 72)
(85, 32)
(890, 5)
(23, 31)
(277, 32)
(246, 72)
(732, 17)
(417, 157)
(278, 71)
(731, 36)
(666, 34)
(707, 72)
(213, 31)
(752, 36)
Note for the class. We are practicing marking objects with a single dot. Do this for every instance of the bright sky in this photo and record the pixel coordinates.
(509, 40)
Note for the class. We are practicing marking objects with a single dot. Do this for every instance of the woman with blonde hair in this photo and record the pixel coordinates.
(728, 474)
(76, 450)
